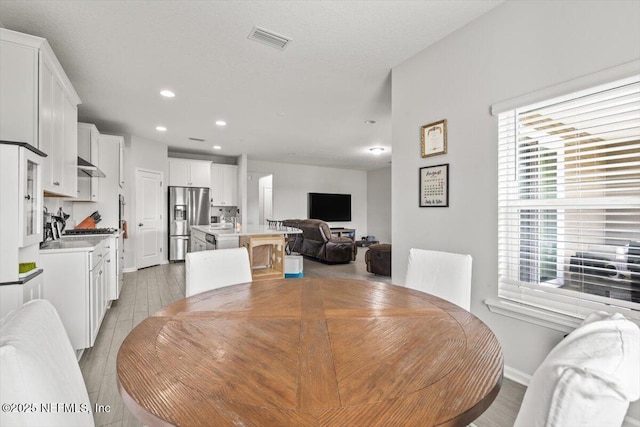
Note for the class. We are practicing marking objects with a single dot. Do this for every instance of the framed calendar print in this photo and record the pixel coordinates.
(434, 186)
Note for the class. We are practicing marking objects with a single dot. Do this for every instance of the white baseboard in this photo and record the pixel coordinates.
(134, 269)
(517, 376)
(524, 379)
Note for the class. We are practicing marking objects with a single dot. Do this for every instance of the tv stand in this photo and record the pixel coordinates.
(343, 232)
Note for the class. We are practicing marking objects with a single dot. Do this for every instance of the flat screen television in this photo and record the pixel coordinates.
(329, 207)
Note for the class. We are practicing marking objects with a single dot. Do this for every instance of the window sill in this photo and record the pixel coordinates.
(535, 315)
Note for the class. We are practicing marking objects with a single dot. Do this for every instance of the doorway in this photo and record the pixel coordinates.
(149, 225)
(265, 200)
(259, 197)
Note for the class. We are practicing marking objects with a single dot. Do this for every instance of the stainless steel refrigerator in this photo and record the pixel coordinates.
(187, 206)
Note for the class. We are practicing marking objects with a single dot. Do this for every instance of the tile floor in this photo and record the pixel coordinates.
(146, 291)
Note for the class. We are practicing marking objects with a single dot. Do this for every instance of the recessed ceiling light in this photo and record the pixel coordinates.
(161, 128)
(217, 147)
(370, 122)
(221, 123)
(167, 93)
(376, 150)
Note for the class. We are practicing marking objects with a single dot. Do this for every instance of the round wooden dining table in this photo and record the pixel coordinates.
(310, 352)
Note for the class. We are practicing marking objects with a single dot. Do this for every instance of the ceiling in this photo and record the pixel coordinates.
(305, 104)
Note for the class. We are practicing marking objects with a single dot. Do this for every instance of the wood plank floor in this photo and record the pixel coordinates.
(146, 291)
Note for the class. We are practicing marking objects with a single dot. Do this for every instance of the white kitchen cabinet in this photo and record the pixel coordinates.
(70, 149)
(98, 296)
(38, 106)
(114, 268)
(20, 207)
(13, 296)
(224, 185)
(58, 133)
(30, 220)
(198, 242)
(88, 187)
(75, 282)
(189, 173)
(19, 88)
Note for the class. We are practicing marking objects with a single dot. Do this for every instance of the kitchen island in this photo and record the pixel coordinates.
(265, 245)
(247, 230)
(221, 238)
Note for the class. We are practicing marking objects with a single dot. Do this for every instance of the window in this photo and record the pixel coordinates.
(569, 202)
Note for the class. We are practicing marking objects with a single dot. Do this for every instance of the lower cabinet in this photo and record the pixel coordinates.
(98, 297)
(113, 268)
(198, 242)
(76, 283)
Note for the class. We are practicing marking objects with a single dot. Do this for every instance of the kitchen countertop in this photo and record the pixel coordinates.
(247, 230)
(74, 244)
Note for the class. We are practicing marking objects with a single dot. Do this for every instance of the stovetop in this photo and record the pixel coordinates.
(88, 231)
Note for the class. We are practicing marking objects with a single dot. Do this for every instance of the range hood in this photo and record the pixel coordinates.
(86, 169)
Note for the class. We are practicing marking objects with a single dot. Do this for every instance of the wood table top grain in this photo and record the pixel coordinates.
(310, 352)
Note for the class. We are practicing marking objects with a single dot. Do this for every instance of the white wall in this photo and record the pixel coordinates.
(379, 204)
(145, 154)
(515, 49)
(291, 183)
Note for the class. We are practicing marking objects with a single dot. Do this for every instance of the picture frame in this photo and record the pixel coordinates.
(434, 138)
(434, 186)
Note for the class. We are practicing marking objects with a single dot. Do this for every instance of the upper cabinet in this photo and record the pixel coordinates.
(20, 210)
(189, 173)
(88, 187)
(224, 185)
(38, 107)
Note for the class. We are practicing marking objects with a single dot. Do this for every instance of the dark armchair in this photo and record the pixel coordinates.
(317, 242)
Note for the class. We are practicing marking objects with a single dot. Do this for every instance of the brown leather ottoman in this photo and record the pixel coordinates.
(378, 259)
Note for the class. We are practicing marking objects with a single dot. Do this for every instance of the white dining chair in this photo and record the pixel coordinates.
(588, 379)
(207, 270)
(443, 274)
(39, 372)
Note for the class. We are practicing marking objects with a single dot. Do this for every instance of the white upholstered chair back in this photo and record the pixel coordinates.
(207, 270)
(588, 379)
(443, 274)
(38, 367)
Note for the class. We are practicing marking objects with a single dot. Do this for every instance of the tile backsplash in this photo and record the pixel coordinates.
(224, 212)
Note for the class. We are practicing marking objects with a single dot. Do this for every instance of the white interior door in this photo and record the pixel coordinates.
(267, 204)
(149, 191)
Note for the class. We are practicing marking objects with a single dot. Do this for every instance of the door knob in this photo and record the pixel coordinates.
(140, 225)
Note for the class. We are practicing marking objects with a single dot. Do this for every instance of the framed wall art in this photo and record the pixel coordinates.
(434, 186)
(434, 138)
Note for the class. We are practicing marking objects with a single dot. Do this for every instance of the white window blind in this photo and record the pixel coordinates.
(569, 202)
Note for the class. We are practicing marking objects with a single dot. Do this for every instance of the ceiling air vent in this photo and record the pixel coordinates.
(196, 139)
(269, 38)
